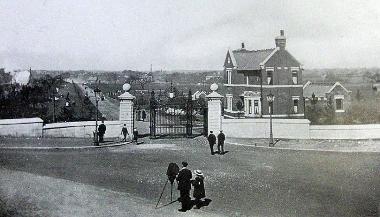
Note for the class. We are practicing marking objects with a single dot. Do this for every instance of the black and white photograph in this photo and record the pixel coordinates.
(203, 108)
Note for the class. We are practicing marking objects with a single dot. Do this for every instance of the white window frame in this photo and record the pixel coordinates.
(295, 108)
(229, 101)
(272, 72)
(341, 97)
(256, 109)
(295, 72)
(247, 79)
(229, 78)
(250, 107)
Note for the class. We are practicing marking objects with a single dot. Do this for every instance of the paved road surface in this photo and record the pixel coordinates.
(107, 107)
(243, 182)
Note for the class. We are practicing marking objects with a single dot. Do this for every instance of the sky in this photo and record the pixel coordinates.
(183, 34)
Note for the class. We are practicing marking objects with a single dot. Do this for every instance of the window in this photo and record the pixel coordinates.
(339, 107)
(295, 106)
(270, 78)
(256, 107)
(229, 101)
(228, 76)
(247, 79)
(339, 104)
(249, 106)
(295, 77)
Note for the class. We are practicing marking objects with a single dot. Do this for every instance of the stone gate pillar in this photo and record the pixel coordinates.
(126, 115)
(214, 110)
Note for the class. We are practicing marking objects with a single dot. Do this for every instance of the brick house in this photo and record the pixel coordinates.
(323, 93)
(250, 75)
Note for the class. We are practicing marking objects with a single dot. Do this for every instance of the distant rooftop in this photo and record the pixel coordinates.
(250, 60)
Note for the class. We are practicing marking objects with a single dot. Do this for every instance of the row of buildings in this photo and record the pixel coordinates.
(251, 75)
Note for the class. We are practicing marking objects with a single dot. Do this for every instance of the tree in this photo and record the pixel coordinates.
(240, 107)
(358, 96)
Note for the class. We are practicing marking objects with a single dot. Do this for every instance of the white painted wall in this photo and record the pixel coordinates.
(365, 131)
(28, 127)
(259, 128)
(82, 129)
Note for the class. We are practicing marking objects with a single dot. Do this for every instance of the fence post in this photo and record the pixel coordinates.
(126, 115)
(214, 113)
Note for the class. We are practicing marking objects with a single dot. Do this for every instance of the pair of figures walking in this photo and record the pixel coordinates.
(184, 179)
(212, 141)
(125, 133)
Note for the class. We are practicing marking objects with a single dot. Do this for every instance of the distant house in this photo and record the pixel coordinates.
(198, 94)
(323, 93)
(376, 85)
(251, 75)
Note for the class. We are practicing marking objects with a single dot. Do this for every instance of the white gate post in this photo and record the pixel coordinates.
(126, 115)
(214, 110)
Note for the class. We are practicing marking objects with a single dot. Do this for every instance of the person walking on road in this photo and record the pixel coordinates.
(101, 131)
(135, 135)
(124, 132)
(211, 141)
(199, 188)
(184, 187)
(221, 138)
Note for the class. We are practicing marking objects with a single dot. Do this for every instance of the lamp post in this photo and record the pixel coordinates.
(96, 91)
(270, 99)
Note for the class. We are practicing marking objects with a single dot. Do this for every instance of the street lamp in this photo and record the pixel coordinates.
(270, 99)
(96, 91)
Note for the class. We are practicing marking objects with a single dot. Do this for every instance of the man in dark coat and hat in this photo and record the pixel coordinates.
(101, 131)
(221, 138)
(184, 187)
(211, 141)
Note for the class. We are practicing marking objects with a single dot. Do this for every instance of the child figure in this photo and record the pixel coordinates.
(199, 188)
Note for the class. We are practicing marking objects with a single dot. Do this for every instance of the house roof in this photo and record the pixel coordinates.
(320, 89)
(251, 60)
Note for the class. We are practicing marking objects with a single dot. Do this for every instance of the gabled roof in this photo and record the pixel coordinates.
(251, 60)
(320, 89)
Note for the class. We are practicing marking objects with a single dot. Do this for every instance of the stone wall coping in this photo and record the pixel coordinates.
(345, 127)
(214, 95)
(20, 121)
(266, 120)
(126, 96)
(79, 124)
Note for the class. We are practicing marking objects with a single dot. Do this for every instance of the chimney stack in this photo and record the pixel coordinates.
(242, 46)
(281, 40)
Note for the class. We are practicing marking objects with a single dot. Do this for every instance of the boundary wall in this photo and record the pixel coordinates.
(235, 128)
(363, 131)
(24, 127)
(83, 129)
(259, 128)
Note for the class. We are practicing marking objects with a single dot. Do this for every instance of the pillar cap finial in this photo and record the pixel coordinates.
(214, 94)
(126, 87)
(214, 87)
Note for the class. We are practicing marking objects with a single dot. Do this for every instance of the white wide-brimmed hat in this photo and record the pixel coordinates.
(198, 172)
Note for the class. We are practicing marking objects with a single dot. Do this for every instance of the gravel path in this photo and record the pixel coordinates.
(25, 194)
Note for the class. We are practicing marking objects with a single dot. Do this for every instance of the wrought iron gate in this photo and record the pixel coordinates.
(177, 117)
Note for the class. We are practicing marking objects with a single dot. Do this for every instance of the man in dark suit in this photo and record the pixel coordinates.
(211, 141)
(101, 131)
(184, 187)
(221, 138)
